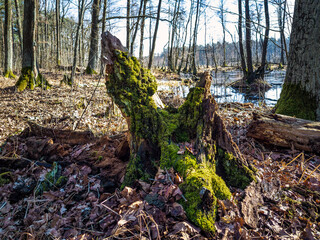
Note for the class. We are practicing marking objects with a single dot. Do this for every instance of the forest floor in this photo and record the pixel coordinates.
(59, 184)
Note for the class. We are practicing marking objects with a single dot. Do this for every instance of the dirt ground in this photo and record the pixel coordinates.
(57, 187)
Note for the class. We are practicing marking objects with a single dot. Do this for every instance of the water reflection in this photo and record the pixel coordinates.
(223, 93)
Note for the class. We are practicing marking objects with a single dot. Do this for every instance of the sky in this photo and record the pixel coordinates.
(214, 28)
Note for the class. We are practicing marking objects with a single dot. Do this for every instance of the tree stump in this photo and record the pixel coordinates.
(210, 164)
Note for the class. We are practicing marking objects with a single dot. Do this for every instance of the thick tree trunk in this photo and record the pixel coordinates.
(8, 40)
(300, 94)
(211, 163)
(284, 131)
(94, 39)
(30, 77)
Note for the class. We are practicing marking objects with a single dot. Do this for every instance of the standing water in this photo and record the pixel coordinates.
(223, 93)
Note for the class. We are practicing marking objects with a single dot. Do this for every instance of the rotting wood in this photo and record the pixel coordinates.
(62, 136)
(285, 131)
(212, 161)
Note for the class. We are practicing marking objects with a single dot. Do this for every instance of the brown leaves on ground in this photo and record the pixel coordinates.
(283, 204)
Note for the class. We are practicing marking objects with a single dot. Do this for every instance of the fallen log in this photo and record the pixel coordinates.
(285, 131)
(60, 136)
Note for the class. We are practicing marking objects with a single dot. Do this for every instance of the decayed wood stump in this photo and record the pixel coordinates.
(285, 131)
(156, 135)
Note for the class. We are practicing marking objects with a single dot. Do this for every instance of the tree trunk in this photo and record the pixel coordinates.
(300, 94)
(75, 50)
(136, 28)
(58, 62)
(284, 131)
(30, 77)
(104, 15)
(128, 28)
(19, 25)
(155, 35)
(94, 39)
(266, 38)
(142, 31)
(214, 160)
(243, 61)
(8, 53)
(194, 45)
(248, 43)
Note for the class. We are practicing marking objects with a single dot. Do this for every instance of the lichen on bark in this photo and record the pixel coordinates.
(155, 134)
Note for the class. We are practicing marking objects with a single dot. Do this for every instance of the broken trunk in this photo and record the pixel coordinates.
(192, 139)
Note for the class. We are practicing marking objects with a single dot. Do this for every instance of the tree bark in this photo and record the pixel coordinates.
(284, 131)
(213, 162)
(94, 39)
(300, 94)
(8, 54)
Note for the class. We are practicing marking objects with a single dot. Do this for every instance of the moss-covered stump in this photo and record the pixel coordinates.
(297, 102)
(9, 74)
(27, 80)
(213, 163)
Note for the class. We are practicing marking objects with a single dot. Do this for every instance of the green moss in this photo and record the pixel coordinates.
(5, 178)
(156, 132)
(189, 114)
(27, 80)
(9, 74)
(90, 71)
(296, 101)
(134, 171)
(234, 175)
(199, 177)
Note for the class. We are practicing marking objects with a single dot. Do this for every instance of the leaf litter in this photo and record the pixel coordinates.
(86, 202)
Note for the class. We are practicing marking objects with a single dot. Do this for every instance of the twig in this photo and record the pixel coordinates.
(109, 208)
(94, 91)
(290, 162)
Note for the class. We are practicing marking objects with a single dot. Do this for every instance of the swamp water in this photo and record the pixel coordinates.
(223, 93)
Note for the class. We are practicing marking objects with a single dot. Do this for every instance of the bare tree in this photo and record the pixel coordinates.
(94, 38)
(8, 40)
(155, 35)
(222, 17)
